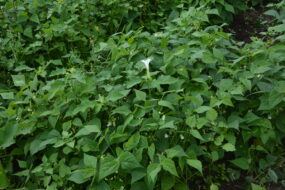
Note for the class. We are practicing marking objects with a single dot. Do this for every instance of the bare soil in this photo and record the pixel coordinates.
(249, 24)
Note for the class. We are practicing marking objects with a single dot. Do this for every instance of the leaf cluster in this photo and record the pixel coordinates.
(80, 110)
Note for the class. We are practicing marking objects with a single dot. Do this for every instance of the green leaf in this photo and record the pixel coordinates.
(28, 32)
(229, 8)
(167, 182)
(140, 95)
(7, 95)
(227, 101)
(241, 163)
(7, 134)
(82, 107)
(225, 84)
(4, 183)
(280, 86)
(212, 11)
(78, 177)
(195, 164)
(272, 12)
(181, 186)
(165, 79)
(261, 69)
(76, 75)
(23, 68)
(128, 161)
(219, 140)
(140, 185)
(183, 71)
(214, 156)
(102, 185)
(152, 170)
(77, 122)
(124, 110)
(203, 109)
(168, 125)
(35, 18)
(108, 165)
(257, 187)
(151, 151)
(269, 101)
(169, 165)
(87, 130)
(214, 187)
(115, 95)
(90, 161)
(211, 114)
(247, 83)
(191, 121)
(273, 176)
(278, 28)
(132, 142)
(208, 58)
(233, 122)
(79, 76)
(138, 174)
(41, 141)
(166, 104)
(19, 80)
(176, 151)
(134, 81)
(195, 133)
(54, 88)
(199, 80)
(229, 147)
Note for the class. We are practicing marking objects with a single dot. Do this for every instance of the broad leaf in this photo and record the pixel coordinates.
(7, 95)
(132, 142)
(87, 130)
(90, 161)
(169, 165)
(152, 171)
(128, 161)
(116, 95)
(241, 163)
(195, 164)
(107, 166)
(3, 179)
(257, 187)
(19, 80)
(229, 147)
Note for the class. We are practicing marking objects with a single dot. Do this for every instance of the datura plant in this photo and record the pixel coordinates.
(130, 94)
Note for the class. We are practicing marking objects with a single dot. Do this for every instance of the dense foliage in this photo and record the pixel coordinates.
(131, 94)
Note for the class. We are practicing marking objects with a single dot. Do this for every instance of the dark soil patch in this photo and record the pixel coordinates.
(276, 187)
(249, 24)
(232, 187)
(240, 186)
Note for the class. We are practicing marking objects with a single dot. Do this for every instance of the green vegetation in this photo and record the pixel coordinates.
(132, 94)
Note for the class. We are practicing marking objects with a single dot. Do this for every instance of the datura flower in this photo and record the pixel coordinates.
(166, 135)
(146, 64)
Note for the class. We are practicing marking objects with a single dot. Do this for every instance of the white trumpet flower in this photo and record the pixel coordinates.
(146, 64)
